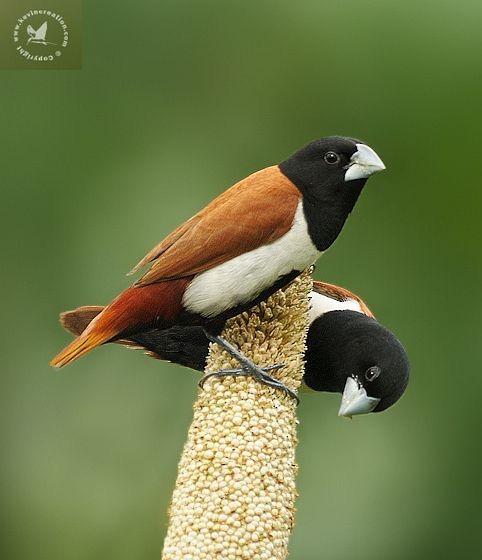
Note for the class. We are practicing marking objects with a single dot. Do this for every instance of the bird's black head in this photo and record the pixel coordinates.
(353, 354)
(330, 173)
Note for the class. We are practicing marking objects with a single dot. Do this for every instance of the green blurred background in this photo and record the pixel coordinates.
(176, 101)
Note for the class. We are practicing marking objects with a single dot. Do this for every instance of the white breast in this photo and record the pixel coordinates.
(243, 278)
(320, 304)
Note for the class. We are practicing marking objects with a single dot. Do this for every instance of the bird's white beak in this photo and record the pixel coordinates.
(363, 163)
(355, 400)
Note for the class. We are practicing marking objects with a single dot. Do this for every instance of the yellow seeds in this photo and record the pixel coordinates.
(235, 491)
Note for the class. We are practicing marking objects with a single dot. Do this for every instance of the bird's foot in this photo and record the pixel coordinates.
(239, 372)
(257, 373)
(248, 369)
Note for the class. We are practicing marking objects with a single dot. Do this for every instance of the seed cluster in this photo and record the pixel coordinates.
(235, 491)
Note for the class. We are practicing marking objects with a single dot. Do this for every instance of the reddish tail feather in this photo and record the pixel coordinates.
(77, 320)
(134, 309)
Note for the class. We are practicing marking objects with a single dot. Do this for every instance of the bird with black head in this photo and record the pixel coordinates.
(348, 351)
(250, 241)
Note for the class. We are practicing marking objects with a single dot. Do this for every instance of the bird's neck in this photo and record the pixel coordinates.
(326, 205)
(326, 210)
(328, 361)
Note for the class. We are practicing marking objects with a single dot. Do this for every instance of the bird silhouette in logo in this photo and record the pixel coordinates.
(38, 36)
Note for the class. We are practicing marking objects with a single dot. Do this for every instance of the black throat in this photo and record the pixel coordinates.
(327, 201)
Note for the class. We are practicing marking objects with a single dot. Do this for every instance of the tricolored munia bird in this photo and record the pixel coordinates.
(253, 239)
(348, 351)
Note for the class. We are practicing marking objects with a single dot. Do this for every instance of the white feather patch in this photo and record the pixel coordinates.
(321, 304)
(243, 278)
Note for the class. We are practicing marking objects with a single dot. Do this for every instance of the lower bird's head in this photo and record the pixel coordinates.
(353, 354)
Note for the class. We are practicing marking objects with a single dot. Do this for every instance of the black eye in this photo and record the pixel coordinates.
(372, 373)
(332, 158)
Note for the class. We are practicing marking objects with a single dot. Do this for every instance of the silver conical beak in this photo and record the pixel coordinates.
(363, 163)
(355, 400)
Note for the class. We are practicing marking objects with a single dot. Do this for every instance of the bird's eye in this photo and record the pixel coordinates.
(332, 158)
(372, 373)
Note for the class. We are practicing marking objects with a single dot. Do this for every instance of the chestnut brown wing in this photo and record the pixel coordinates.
(340, 294)
(253, 212)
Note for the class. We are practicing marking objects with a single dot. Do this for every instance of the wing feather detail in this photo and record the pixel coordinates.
(254, 212)
(340, 294)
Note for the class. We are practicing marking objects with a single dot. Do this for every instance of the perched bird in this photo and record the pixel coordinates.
(247, 243)
(348, 351)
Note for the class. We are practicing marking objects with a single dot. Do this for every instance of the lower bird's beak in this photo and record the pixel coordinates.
(355, 400)
(363, 163)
